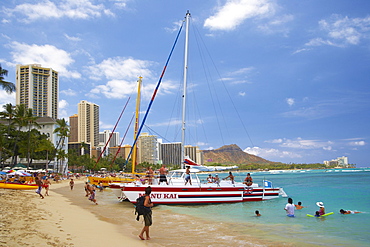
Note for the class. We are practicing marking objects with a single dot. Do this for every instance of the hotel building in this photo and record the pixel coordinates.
(37, 88)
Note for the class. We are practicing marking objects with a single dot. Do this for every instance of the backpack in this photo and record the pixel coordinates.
(140, 209)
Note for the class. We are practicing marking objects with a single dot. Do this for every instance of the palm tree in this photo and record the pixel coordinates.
(20, 120)
(45, 145)
(8, 114)
(63, 132)
(7, 86)
(31, 121)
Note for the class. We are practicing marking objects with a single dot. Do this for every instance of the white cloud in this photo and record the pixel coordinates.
(300, 143)
(69, 92)
(241, 93)
(74, 9)
(47, 55)
(275, 141)
(290, 101)
(105, 126)
(241, 71)
(62, 104)
(342, 31)
(75, 39)
(6, 98)
(121, 68)
(175, 27)
(123, 74)
(358, 143)
(234, 12)
(62, 111)
(271, 153)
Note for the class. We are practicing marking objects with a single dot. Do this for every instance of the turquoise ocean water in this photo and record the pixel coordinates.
(337, 188)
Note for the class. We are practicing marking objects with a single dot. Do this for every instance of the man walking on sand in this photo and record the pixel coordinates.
(39, 184)
(71, 183)
(147, 217)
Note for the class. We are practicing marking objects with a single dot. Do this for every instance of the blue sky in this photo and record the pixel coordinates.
(287, 80)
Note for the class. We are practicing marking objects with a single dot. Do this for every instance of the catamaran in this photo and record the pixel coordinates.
(177, 191)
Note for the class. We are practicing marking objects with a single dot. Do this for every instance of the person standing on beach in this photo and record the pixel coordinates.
(289, 208)
(92, 194)
(46, 186)
(71, 183)
(148, 217)
(39, 184)
(162, 174)
(87, 189)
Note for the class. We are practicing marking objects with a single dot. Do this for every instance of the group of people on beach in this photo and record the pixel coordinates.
(290, 207)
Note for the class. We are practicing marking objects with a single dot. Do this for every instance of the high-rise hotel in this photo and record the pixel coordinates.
(88, 123)
(37, 88)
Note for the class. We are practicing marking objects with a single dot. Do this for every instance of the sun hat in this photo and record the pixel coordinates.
(320, 204)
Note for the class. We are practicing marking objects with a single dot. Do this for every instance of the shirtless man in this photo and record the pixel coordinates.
(231, 177)
(87, 189)
(162, 174)
(187, 176)
(39, 184)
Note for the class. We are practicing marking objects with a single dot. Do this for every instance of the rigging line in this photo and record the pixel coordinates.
(154, 93)
(232, 102)
(174, 116)
(196, 114)
(210, 91)
(123, 138)
(114, 128)
(151, 130)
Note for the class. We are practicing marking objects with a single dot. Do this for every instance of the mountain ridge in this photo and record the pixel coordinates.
(231, 155)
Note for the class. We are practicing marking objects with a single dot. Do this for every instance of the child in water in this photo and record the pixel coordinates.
(257, 213)
(298, 206)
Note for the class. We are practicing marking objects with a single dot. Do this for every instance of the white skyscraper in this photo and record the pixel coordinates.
(88, 123)
(37, 88)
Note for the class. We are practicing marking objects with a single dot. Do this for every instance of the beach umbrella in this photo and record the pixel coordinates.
(20, 173)
(11, 171)
(2, 173)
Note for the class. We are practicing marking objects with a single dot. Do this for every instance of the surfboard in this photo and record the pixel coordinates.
(310, 215)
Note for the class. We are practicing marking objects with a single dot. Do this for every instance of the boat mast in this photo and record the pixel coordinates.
(136, 127)
(186, 51)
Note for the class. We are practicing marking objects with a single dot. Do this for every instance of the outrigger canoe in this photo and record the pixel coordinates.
(16, 186)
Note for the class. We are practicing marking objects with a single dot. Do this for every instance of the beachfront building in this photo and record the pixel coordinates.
(73, 129)
(108, 139)
(88, 124)
(37, 89)
(170, 153)
(338, 162)
(194, 153)
(147, 146)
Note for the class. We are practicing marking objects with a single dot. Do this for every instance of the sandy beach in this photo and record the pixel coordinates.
(67, 218)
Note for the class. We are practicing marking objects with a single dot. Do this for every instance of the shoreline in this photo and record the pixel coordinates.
(67, 218)
(28, 220)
